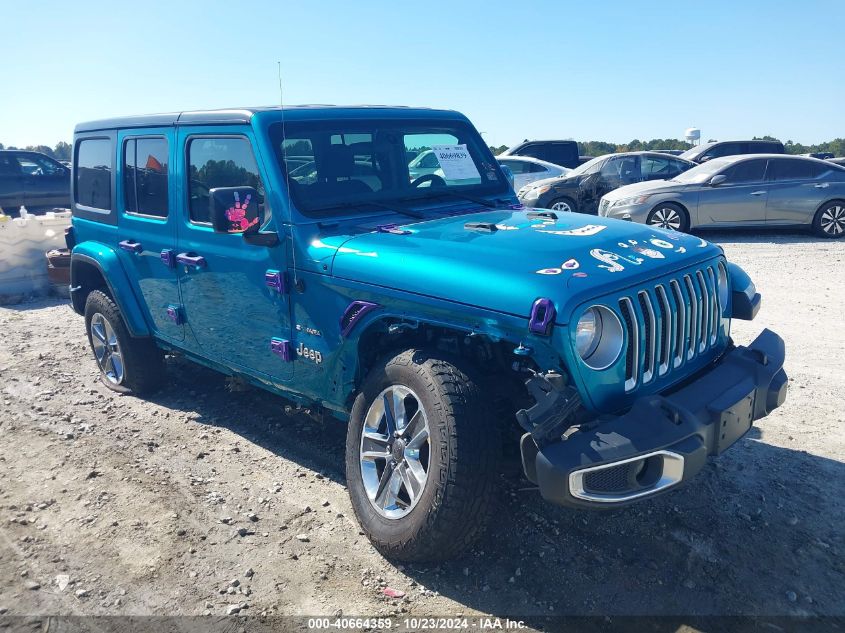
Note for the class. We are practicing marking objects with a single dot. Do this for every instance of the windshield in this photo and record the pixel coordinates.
(693, 152)
(703, 173)
(587, 168)
(337, 166)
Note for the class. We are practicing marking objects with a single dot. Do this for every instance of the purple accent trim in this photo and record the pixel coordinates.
(516, 206)
(131, 245)
(174, 313)
(197, 261)
(168, 258)
(542, 317)
(281, 347)
(275, 279)
(353, 313)
(392, 228)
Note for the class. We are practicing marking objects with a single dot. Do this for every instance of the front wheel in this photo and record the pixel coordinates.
(830, 220)
(422, 451)
(564, 205)
(669, 216)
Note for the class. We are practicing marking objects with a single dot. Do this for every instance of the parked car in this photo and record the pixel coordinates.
(752, 191)
(717, 149)
(33, 180)
(837, 161)
(419, 315)
(582, 188)
(823, 155)
(563, 153)
(423, 164)
(673, 152)
(526, 170)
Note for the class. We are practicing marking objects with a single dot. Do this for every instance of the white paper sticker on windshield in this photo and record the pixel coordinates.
(456, 162)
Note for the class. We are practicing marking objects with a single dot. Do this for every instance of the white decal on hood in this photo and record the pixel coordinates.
(611, 260)
(549, 271)
(570, 264)
(590, 229)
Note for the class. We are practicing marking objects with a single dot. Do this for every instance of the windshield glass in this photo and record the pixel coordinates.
(703, 173)
(691, 153)
(341, 165)
(588, 167)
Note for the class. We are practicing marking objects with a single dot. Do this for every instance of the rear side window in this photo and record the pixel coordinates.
(516, 166)
(94, 164)
(145, 182)
(220, 162)
(796, 169)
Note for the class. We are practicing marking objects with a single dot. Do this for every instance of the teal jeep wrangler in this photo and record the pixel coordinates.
(293, 249)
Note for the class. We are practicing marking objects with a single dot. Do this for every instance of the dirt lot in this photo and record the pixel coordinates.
(199, 499)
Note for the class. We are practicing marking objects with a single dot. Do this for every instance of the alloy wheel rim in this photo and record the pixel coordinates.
(394, 452)
(107, 349)
(832, 220)
(562, 206)
(666, 218)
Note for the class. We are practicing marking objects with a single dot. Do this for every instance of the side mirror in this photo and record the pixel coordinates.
(508, 174)
(234, 209)
(717, 180)
(704, 159)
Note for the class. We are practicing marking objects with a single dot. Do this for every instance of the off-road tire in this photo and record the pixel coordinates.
(458, 495)
(143, 362)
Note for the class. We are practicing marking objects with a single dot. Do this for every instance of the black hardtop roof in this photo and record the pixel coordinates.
(244, 115)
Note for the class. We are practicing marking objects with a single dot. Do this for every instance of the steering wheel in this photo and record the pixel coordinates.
(434, 179)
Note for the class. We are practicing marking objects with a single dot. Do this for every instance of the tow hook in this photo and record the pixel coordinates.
(555, 403)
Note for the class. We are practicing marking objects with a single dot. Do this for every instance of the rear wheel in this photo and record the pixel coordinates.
(127, 364)
(564, 205)
(830, 220)
(669, 216)
(422, 453)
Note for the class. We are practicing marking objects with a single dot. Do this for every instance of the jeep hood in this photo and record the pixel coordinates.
(504, 260)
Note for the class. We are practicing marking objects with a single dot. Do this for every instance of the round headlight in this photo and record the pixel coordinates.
(724, 290)
(588, 333)
(599, 337)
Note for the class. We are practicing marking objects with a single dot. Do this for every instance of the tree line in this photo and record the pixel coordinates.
(62, 150)
(598, 148)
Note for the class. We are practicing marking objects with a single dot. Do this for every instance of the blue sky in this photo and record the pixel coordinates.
(610, 71)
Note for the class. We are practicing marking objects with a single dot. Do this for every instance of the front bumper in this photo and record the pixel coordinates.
(663, 440)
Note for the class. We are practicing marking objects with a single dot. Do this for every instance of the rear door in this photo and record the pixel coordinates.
(796, 189)
(233, 293)
(146, 199)
(11, 183)
(741, 199)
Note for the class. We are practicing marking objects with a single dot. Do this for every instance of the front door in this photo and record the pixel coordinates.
(233, 293)
(741, 199)
(146, 198)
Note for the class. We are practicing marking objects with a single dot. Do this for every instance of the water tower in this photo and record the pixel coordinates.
(692, 135)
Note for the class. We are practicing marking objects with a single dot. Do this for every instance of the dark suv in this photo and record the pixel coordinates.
(582, 188)
(563, 153)
(718, 149)
(32, 179)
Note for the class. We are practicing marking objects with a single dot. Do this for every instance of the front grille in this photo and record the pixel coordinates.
(670, 324)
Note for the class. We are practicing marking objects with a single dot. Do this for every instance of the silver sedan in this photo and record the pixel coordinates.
(760, 190)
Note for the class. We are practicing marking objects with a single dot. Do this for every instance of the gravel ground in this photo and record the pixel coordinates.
(201, 498)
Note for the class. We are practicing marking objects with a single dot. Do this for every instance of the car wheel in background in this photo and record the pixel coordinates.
(127, 364)
(669, 216)
(564, 205)
(422, 452)
(830, 220)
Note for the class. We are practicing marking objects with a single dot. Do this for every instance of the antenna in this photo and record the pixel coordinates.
(287, 171)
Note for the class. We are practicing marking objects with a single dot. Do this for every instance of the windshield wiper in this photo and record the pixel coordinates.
(396, 208)
(464, 196)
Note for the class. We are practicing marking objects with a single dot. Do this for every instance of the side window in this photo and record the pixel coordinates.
(220, 162)
(145, 176)
(94, 164)
(746, 171)
(429, 161)
(534, 168)
(516, 166)
(678, 167)
(656, 168)
(786, 169)
(9, 166)
(723, 149)
(37, 166)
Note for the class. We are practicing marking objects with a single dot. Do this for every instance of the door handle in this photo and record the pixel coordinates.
(757, 193)
(131, 245)
(191, 259)
(822, 185)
